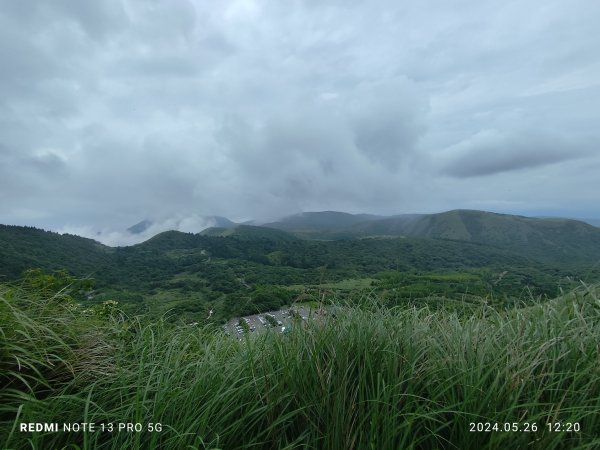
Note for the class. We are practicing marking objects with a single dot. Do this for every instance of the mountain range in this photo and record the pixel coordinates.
(449, 253)
(467, 225)
(544, 238)
(553, 238)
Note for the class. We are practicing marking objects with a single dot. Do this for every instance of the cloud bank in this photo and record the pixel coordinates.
(114, 111)
(119, 238)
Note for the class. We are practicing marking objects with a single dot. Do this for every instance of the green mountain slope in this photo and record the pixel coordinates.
(249, 233)
(547, 239)
(325, 220)
(552, 239)
(226, 270)
(24, 248)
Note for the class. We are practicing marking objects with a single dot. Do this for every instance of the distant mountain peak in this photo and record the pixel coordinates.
(321, 219)
(140, 227)
(176, 223)
(222, 222)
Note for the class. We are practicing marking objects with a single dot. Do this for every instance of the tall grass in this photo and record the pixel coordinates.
(369, 378)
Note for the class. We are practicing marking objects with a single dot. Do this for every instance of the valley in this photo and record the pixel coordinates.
(250, 269)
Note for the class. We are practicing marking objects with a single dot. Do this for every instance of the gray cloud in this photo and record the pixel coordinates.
(490, 152)
(117, 110)
(387, 119)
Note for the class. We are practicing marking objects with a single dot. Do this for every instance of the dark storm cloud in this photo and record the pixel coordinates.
(113, 111)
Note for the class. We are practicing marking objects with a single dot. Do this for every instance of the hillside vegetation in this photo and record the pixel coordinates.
(549, 239)
(23, 248)
(368, 377)
(459, 255)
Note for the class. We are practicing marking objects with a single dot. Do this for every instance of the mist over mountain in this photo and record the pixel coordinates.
(466, 225)
(148, 228)
(215, 221)
(140, 227)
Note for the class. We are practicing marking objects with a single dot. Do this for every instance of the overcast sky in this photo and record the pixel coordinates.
(116, 111)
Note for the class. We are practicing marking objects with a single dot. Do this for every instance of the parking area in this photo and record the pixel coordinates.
(279, 321)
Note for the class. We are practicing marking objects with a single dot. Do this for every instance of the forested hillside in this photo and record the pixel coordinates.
(22, 248)
(242, 270)
(548, 239)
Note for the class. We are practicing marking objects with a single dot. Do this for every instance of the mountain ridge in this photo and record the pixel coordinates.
(460, 224)
(542, 237)
(189, 271)
(218, 221)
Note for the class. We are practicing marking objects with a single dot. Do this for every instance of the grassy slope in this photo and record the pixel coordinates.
(370, 378)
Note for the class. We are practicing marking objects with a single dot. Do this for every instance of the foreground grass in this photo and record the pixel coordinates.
(369, 378)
